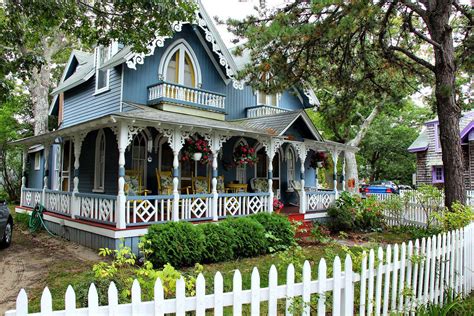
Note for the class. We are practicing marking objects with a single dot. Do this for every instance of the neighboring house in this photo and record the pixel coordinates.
(429, 164)
(114, 164)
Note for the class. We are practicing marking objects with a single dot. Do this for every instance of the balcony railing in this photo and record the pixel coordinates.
(264, 110)
(165, 91)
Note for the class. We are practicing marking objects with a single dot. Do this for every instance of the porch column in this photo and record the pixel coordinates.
(75, 202)
(271, 146)
(301, 149)
(215, 141)
(335, 156)
(316, 180)
(343, 177)
(175, 185)
(46, 150)
(23, 174)
(122, 140)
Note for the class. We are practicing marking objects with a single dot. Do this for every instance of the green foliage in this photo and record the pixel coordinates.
(429, 198)
(176, 243)
(351, 212)
(459, 217)
(250, 239)
(219, 243)
(320, 234)
(415, 231)
(452, 306)
(279, 227)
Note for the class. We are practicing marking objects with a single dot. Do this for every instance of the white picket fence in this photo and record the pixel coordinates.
(399, 278)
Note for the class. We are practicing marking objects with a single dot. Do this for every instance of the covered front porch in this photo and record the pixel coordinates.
(134, 169)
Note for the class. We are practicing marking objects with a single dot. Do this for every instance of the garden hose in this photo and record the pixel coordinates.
(36, 220)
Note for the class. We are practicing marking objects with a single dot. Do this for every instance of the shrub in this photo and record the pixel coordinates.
(343, 212)
(277, 225)
(219, 242)
(176, 243)
(249, 236)
(458, 217)
(369, 215)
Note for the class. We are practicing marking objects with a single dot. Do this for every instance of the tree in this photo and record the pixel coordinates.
(306, 40)
(383, 152)
(35, 34)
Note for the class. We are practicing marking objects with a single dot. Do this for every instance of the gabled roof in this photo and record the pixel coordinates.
(83, 72)
(278, 124)
(421, 143)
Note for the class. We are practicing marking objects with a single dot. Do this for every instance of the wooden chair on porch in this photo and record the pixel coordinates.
(165, 182)
(199, 185)
(134, 183)
(259, 185)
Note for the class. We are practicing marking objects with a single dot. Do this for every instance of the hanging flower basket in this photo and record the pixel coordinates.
(245, 155)
(197, 150)
(277, 205)
(319, 160)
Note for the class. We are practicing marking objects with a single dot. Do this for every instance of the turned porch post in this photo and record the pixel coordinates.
(175, 185)
(122, 140)
(215, 141)
(75, 202)
(271, 146)
(23, 174)
(343, 176)
(302, 152)
(316, 180)
(335, 156)
(46, 150)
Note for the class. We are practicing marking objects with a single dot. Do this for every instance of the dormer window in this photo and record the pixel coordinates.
(268, 99)
(102, 54)
(180, 65)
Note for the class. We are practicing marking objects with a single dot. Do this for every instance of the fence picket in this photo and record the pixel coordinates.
(322, 273)
(180, 297)
(421, 274)
(401, 285)
(112, 294)
(255, 292)
(70, 301)
(408, 280)
(378, 285)
(452, 243)
(348, 287)
(272, 288)
(363, 284)
(370, 293)
(159, 298)
(415, 261)
(200, 295)
(336, 297)
(22, 303)
(136, 298)
(426, 284)
(218, 294)
(433, 268)
(396, 266)
(386, 288)
(306, 288)
(237, 290)
(439, 267)
(290, 288)
(93, 300)
(46, 302)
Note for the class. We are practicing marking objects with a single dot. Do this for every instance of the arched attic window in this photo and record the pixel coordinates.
(179, 65)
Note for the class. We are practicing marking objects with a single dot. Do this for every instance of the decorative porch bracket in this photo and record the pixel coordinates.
(216, 141)
(77, 139)
(271, 146)
(302, 152)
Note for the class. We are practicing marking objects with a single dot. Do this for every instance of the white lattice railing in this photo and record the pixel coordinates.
(187, 94)
(58, 202)
(148, 209)
(238, 204)
(264, 110)
(195, 206)
(320, 200)
(97, 207)
(31, 197)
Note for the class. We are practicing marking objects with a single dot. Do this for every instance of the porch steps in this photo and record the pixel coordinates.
(303, 230)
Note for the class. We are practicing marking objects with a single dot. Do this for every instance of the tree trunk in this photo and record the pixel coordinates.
(39, 90)
(449, 112)
(351, 162)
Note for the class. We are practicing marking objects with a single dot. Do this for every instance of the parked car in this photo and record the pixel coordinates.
(6, 225)
(404, 187)
(379, 187)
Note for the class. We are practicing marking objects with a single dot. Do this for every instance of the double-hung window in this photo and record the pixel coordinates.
(438, 174)
(102, 54)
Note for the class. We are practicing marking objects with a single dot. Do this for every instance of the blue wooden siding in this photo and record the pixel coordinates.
(289, 100)
(137, 81)
(80, 103)
(87, 163)
(34, 178)
(238, 100)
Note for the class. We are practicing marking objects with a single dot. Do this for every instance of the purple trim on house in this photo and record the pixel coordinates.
(436, 136)
(434, 178)
(467, 129)
(415, 150)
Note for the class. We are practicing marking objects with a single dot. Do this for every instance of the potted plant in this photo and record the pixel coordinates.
(319, 160)
(277, 205)
(245, 155)
(196, 149)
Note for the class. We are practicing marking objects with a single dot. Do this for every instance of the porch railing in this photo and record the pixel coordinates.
(195, 207)
(58, 202)
(264, 110)
(31, 197)
(320, 200)
(238, 204)
(190, 95)
(100, 208)
(142, 210)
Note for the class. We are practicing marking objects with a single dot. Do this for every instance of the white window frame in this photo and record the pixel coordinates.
(290, 173)
(37, 165)
(97, 70)
(184, 48)
(268, 99)
(145, 137)
(99, 187)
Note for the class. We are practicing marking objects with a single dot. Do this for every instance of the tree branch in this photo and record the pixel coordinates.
(413, 57)
(463, 10)
(419, 34)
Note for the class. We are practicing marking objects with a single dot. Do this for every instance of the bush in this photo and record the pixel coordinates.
(369, 215)
(219, 243)
(176, 243)
(458, 217)
(249, 236)
(277, 225)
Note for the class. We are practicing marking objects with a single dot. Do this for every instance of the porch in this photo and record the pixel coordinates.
(91, 180)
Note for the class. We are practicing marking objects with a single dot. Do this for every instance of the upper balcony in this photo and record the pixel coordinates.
(178, 98)
(264, 110)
